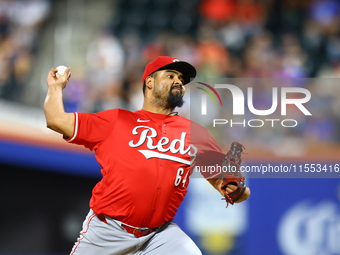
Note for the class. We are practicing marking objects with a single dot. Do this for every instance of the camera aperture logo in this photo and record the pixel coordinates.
(239, 103)
(204, 97)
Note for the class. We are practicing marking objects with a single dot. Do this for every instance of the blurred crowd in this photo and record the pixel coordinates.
(232, 38)
(20, 21)
(221, 38)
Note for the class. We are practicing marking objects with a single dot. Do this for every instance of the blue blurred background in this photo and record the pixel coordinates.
(46, 184)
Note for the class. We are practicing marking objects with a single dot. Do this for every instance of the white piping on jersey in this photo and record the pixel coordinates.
(75, 128)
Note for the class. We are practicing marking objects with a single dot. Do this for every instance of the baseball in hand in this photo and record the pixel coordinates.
(61, 70)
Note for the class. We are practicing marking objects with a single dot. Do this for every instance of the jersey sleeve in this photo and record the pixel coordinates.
(92, 128)
(210, 156)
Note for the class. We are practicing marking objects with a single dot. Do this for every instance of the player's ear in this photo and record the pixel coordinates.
(149, 82)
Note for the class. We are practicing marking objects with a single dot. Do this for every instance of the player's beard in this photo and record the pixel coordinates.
(175, 99)
(170, 100)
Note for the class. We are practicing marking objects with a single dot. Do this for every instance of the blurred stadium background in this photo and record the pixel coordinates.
(46, 184)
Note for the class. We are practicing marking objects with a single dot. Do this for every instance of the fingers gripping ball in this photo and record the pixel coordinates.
(232, 174)
(61, 70)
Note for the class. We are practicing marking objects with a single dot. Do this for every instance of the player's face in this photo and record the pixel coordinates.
(169, 87)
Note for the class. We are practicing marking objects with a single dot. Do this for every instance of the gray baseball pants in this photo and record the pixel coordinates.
(98, 237)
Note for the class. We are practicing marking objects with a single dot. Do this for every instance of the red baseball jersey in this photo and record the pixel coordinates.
(145, 159)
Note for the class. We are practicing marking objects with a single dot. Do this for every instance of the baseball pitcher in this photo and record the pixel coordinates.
(146, 159)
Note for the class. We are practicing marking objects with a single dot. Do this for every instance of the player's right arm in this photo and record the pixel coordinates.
(56, 117)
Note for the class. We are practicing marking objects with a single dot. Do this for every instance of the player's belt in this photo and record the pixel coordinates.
(138, 232)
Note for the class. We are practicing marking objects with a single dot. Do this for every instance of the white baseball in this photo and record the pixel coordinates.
(61, 70)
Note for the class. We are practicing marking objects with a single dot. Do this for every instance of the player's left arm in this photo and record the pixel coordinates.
(230, 185)
(217, 184)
